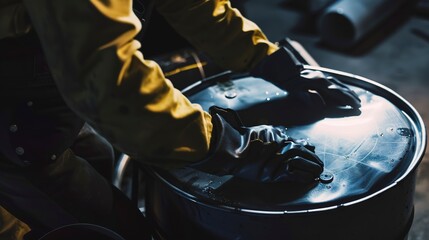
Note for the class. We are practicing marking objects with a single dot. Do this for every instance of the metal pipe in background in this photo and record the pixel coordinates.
(346, 22)
(315, 6)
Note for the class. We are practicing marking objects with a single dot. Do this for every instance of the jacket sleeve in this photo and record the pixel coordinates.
(219, 30)
(102, 75)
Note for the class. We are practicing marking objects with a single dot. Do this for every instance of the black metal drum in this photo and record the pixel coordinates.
(366, 191)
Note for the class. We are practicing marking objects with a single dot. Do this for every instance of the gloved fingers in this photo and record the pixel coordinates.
(340, 112)
(276, 169)
(312, 74)
(344, 87)
(353, 94)
(306, 144)
(339, 97)
(333, 91)
(305, 164)
(313, 83)
(293, 150)
(281, 131)
(274, 134)
(282, 171)
(335, 81)
(267, 133)
(296, 163)
(263, 133)
(308, 80)
(298, 169)
(301, 176)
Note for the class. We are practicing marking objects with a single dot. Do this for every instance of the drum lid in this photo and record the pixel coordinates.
(364, 154)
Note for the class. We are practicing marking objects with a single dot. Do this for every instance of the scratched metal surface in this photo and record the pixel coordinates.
(364, 153)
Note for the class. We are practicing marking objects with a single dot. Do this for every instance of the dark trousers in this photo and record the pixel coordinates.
(51, 192)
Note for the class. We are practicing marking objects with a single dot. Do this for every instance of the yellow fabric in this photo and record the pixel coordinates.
(219, 30)
(97, 65)
(10, 227)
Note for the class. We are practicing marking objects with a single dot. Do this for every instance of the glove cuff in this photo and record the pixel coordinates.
(278, 67)
(225, 122)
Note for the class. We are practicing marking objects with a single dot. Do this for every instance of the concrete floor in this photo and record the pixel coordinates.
(395, 55)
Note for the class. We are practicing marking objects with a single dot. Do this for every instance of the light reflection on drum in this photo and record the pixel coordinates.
(369, 157)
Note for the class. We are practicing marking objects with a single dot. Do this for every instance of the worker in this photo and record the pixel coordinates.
(65, 62)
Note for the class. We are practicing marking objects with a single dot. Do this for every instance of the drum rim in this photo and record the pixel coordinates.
(356, 80)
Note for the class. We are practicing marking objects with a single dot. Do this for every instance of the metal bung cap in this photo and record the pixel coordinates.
(326, 177)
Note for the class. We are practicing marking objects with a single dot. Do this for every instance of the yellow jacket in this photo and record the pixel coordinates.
(102, 75)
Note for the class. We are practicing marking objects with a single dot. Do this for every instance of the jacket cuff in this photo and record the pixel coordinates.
(278, 67)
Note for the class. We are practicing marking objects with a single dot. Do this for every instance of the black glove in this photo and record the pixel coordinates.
(284, 70)
(261, 153)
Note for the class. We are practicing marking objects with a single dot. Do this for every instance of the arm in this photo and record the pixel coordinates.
(236, 43)
(95, 61)
(219, 30)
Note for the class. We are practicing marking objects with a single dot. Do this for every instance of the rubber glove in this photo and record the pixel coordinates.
(284, 70)
(261, 153)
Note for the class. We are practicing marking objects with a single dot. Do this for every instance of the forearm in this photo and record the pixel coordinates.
(222, 32)
(102, 75)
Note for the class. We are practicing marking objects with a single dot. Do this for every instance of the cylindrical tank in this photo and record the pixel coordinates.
(366, 191)
(346, 22)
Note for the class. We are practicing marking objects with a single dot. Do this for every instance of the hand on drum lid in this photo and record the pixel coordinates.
(261, 153)
(302, 164)
(334, 94)
(284, 70)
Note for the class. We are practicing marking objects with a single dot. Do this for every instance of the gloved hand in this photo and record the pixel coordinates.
(261, 153)
(284, 70)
